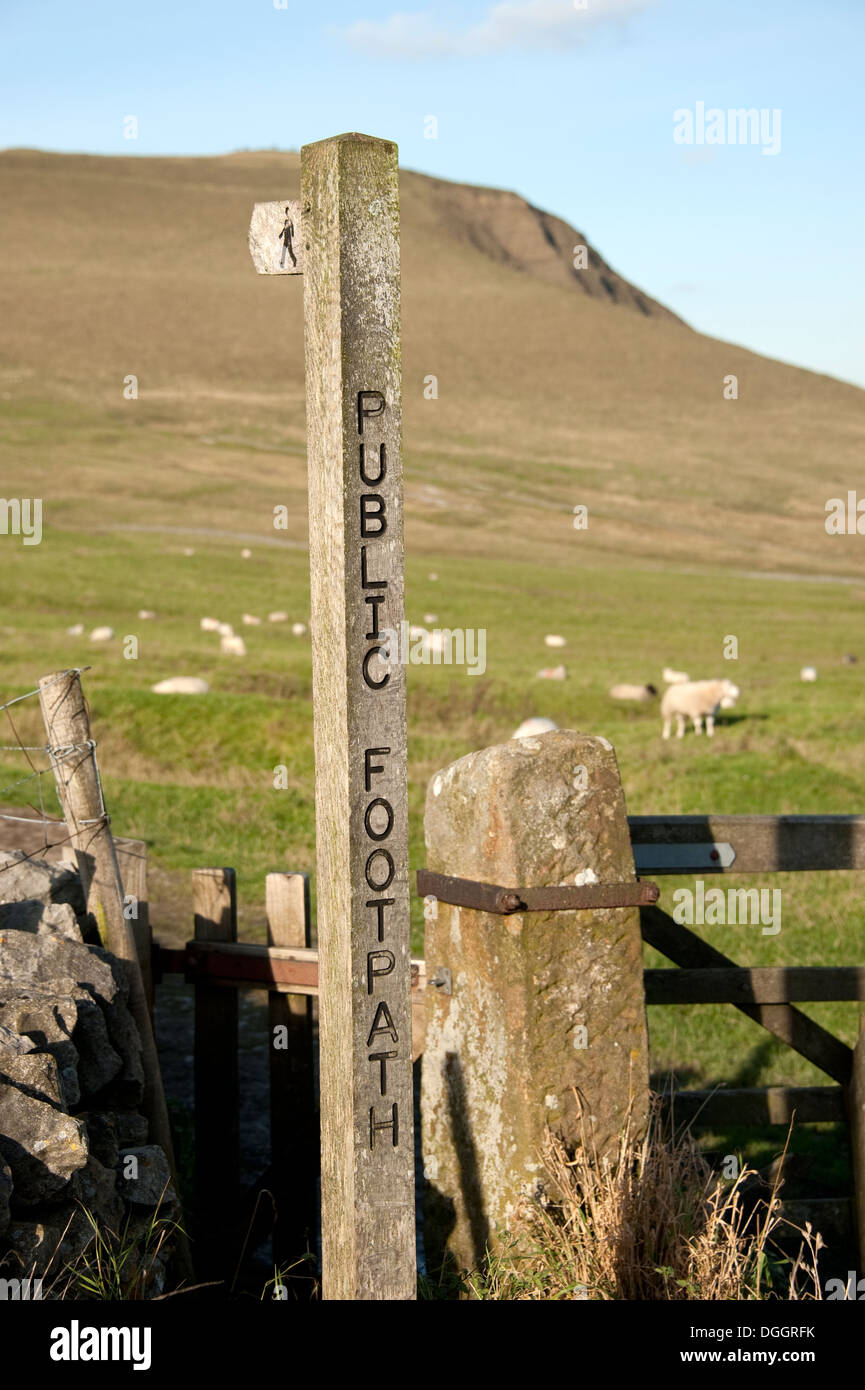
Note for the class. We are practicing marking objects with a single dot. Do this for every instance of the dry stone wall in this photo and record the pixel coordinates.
(72, 1139)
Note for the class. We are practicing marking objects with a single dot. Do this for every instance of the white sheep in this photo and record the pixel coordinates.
(298, 629)
(808, 673)
(181, 685)
(277, 616)
(76, 630)
(250, 620)
(145, 613)
(246, 554)
(696, 700)
(232, 646)
(430, 617)
(209, 624)
(225, 629)
(675, 677)
(633, 692)
(552, 673)
(553, 639)
(538, 725)
(102, 634)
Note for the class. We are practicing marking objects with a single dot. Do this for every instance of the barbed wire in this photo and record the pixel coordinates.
(57, 757)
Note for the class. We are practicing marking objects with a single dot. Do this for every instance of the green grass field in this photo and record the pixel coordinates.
(194, 776)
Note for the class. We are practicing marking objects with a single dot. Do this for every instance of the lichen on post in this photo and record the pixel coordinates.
(545, 1027)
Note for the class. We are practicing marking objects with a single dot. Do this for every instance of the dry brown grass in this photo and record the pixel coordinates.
(655, 1222)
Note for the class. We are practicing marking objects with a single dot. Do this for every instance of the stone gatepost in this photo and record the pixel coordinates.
(546, 1015)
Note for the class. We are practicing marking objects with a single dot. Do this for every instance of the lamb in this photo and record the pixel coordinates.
(633, 692)
(539, 724)
(181, 685)
(674, 677)
(696, 700)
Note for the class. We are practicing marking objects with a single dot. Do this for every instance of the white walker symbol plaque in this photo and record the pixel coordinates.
(344, 237)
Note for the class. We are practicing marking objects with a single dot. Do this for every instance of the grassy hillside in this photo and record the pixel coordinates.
(556, 387)
(553, 391)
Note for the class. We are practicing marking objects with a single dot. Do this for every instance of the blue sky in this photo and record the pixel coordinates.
(570, 104)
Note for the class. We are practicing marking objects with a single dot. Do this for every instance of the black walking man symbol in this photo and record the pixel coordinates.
(285, 237)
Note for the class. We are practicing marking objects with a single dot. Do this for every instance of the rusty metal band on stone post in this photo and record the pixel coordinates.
(491, 897)
(350, 221)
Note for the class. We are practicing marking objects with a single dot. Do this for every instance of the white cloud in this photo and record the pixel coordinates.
(512, 25)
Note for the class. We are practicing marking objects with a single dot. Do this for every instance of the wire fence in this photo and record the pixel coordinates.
(57, 758)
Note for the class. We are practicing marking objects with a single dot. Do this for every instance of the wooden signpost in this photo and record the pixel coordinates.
(344, 238)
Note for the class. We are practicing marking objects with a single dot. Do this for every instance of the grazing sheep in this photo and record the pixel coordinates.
(553, 639)
(537, 725)
(696, 700)
(633, 692)
(552, 673)
(209, 624)
(181, 685)
(188, 550)
(102, 634)
(277, 617)
(145, 613)
(75, 631)
(225, 629)
(298, 629)
(250, 620)
(232, 646)
(246, 554)
(808, 673)
(674, 677)
(433, 577)
(848, 659)
(430, 617)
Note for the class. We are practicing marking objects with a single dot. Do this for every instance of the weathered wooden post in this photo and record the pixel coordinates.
(855, 1093)
(293, 1121)
(73, 759)
(535, 1019)
(217, 1138)
(344, 238)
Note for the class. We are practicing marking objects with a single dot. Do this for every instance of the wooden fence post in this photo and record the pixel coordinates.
(856, 1122)
(132, 860)
(73, 759)
(293, 1121)
(217, 1134)
(535, 1020)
